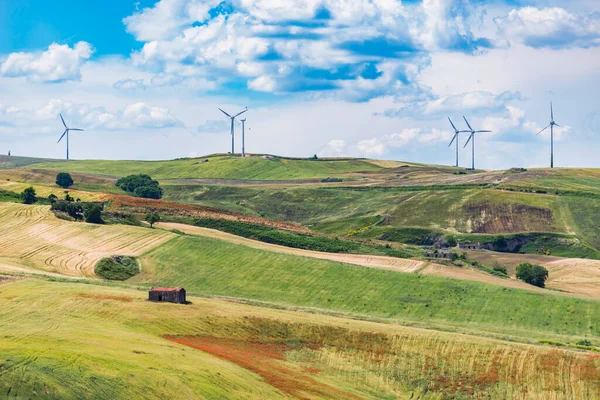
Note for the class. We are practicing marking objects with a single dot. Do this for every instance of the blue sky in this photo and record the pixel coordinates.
(371, 78)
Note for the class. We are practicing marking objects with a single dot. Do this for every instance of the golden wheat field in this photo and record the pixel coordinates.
(31, 236)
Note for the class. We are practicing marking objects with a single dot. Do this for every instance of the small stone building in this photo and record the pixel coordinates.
(469, 246)
(167, 294)
(445, 254)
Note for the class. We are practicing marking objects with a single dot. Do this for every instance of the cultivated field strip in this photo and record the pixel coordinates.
(381, 262)
(32, 235)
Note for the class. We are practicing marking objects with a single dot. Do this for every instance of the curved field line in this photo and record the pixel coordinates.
(34, 236)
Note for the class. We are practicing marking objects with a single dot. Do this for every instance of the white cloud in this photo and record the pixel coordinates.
(371, 147)
(144, 116)
(550, 27)
(263, 84)
(130, 84)
(335, 147)
(58, 63)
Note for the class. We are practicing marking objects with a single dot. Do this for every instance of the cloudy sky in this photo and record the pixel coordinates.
(369, 78)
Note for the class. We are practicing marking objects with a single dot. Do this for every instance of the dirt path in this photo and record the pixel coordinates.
(382, 262)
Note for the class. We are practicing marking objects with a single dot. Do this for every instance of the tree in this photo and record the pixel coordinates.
(68, 197)
(141, 185)
(152, 218)
(533, 274)
(28, 196)
(93, 213)
(148, 192)
(52, 198)
(64, 180)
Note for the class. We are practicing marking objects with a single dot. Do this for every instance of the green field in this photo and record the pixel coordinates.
(219, 167)
(64, 340)
(212, 267)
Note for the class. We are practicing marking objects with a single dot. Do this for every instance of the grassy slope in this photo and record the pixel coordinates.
(576, 180)
(214, 267)
(223, 167)
(102, 342)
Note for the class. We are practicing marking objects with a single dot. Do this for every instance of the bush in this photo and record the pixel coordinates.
(533, 274)
(28, 196)
(118, 268)
(68, 197)
(148, 192)
(501, 269)
(141, 185)
(152, 218)
(93, 213)
(75, 210)
(64, 180)
(52, 198)
(584, 342)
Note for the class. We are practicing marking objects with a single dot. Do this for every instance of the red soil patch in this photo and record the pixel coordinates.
(104, 297)
(266, 360)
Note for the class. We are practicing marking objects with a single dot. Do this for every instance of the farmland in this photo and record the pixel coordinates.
(225, 349)
(301, 288)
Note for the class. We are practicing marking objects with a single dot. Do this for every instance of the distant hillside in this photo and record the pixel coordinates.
(7, 162)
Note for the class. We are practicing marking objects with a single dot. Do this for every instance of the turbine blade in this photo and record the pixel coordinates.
(555, 124)
(468, 140)
(75, 129)
(63, 135)
(454, 137)
(543, 129)
(451, 123)
(240, 113)
(225, 113)
(469, 125)
(483, 131)
(63, 121)
(551, 112)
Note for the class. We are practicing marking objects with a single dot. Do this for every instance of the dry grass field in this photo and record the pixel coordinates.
(32, 237)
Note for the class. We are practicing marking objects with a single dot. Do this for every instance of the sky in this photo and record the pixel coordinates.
(360, 78)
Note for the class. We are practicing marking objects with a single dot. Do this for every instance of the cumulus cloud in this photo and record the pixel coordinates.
(550, 27)
(58, 63)
(335, 147)
(130, 84)
(144, 116)
(371, 147)
(467, 103)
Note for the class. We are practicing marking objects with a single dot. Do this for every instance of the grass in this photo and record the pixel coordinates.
(302, 241)
(105, 342)
(213, 267)
(219, 167)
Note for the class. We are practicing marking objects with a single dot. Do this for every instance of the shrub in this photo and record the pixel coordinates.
(93, 213)
(75, 210)
(501, 269)
(533, 274)
(133, 184)
(52, 198)
(68, 197)
(584, 342)
(28, 196)
(118, 268)
(152, 218)
(64, 180)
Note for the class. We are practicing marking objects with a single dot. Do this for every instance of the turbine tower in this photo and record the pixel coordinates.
(551, 126)
(243, 138)
(232, 127)
(455, 138)
(66, 132)
(472, 140)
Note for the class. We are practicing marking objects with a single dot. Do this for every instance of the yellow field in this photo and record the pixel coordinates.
(32, 237)
(68, 340)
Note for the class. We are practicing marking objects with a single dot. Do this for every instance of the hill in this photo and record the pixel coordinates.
(65, 340)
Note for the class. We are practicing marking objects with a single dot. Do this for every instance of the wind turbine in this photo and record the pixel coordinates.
(66, 132)
(232, 125)
(472, 140)
(243, 139)
(551, 126)
(455, 138)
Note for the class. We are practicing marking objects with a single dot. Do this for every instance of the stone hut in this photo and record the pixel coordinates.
(469, 246)
(444, 254)
(167, 294)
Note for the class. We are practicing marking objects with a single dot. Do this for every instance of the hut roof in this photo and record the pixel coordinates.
(165, 289)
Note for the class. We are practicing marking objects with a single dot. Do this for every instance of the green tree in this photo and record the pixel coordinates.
(68, 197)
(52, 198)
(148, 192)
(533, 274)
(93, 213)
(141, 185)
(28, 196)
(64, 180)
(152, 218)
